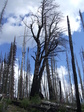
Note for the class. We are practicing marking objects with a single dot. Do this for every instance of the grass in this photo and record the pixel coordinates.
(1, 105)
(82, 106)
(13, 108)
(34, 100)
(25, 105)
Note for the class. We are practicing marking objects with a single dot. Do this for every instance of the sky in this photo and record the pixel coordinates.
(18, 11)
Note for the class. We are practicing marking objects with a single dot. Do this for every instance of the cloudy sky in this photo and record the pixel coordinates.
(18, 10)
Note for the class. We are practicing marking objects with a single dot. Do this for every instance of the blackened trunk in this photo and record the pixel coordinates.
(74, 69)
(60, 91)
(51, 90)
(36, 85)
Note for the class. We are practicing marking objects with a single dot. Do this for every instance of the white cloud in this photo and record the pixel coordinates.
(17, 74)
(21, 7)
(62, 71)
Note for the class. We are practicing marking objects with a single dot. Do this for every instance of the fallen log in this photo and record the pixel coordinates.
(58, 106)
(41, 108)
(47, 106)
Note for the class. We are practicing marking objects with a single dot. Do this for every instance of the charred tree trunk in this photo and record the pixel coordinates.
(36, 85)
(79, 73)
(51, 90)
(68, 67)
(60, 91)
(74, 68)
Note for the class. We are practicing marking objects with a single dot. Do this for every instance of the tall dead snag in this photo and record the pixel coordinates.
(79, 73)
(68, 67)
(51, 89)
(53, 77)
(18, 91)
(21, 71)
(12, 56)
(60, 91)
(82, 61)
(28, 68)
(46, 45)
(81, 19)
(74, 68)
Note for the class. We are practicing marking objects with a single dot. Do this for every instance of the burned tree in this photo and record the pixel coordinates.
(2, 13)
(48, 39)
(74, 68)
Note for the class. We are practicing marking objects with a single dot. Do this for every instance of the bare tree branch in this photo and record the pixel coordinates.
(2, 13)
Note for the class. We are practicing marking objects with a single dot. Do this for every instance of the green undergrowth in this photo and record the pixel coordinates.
(34, 101)
(24, 103)
(82, 107)
(1, 105)
(4, 104)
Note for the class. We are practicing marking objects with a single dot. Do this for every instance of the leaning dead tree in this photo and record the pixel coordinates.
(48, 38)
(70, 84)
(74, 68)
(81, 19)
(80, 78)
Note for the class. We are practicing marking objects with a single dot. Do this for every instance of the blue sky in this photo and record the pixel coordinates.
(19, 10)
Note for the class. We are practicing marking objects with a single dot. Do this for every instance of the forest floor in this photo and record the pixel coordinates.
(13, 108)
(35, 105)
(46, 106)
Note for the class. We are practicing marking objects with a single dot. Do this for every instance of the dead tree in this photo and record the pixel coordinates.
(51, 90)
(80, 78)
(2, 13)
(28, 74)
(68, 67)
(81, 19)
(82, 61)
(21, 71)
(47, 13)
(74, 68)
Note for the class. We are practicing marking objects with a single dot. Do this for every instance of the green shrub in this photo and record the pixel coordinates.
(82, 107)
(24, 103)
(62, 109)
(35, 100)
(8, 101)
(34, 110)
(1, 105)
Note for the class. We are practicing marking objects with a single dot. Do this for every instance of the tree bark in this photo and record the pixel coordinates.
(74, 68)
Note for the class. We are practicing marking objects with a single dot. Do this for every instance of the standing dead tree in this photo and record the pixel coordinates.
(21, 93)
(82, 62)
(80, 78)
(81, 19)
(68, 67)
(48, 39)
(74, 68)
